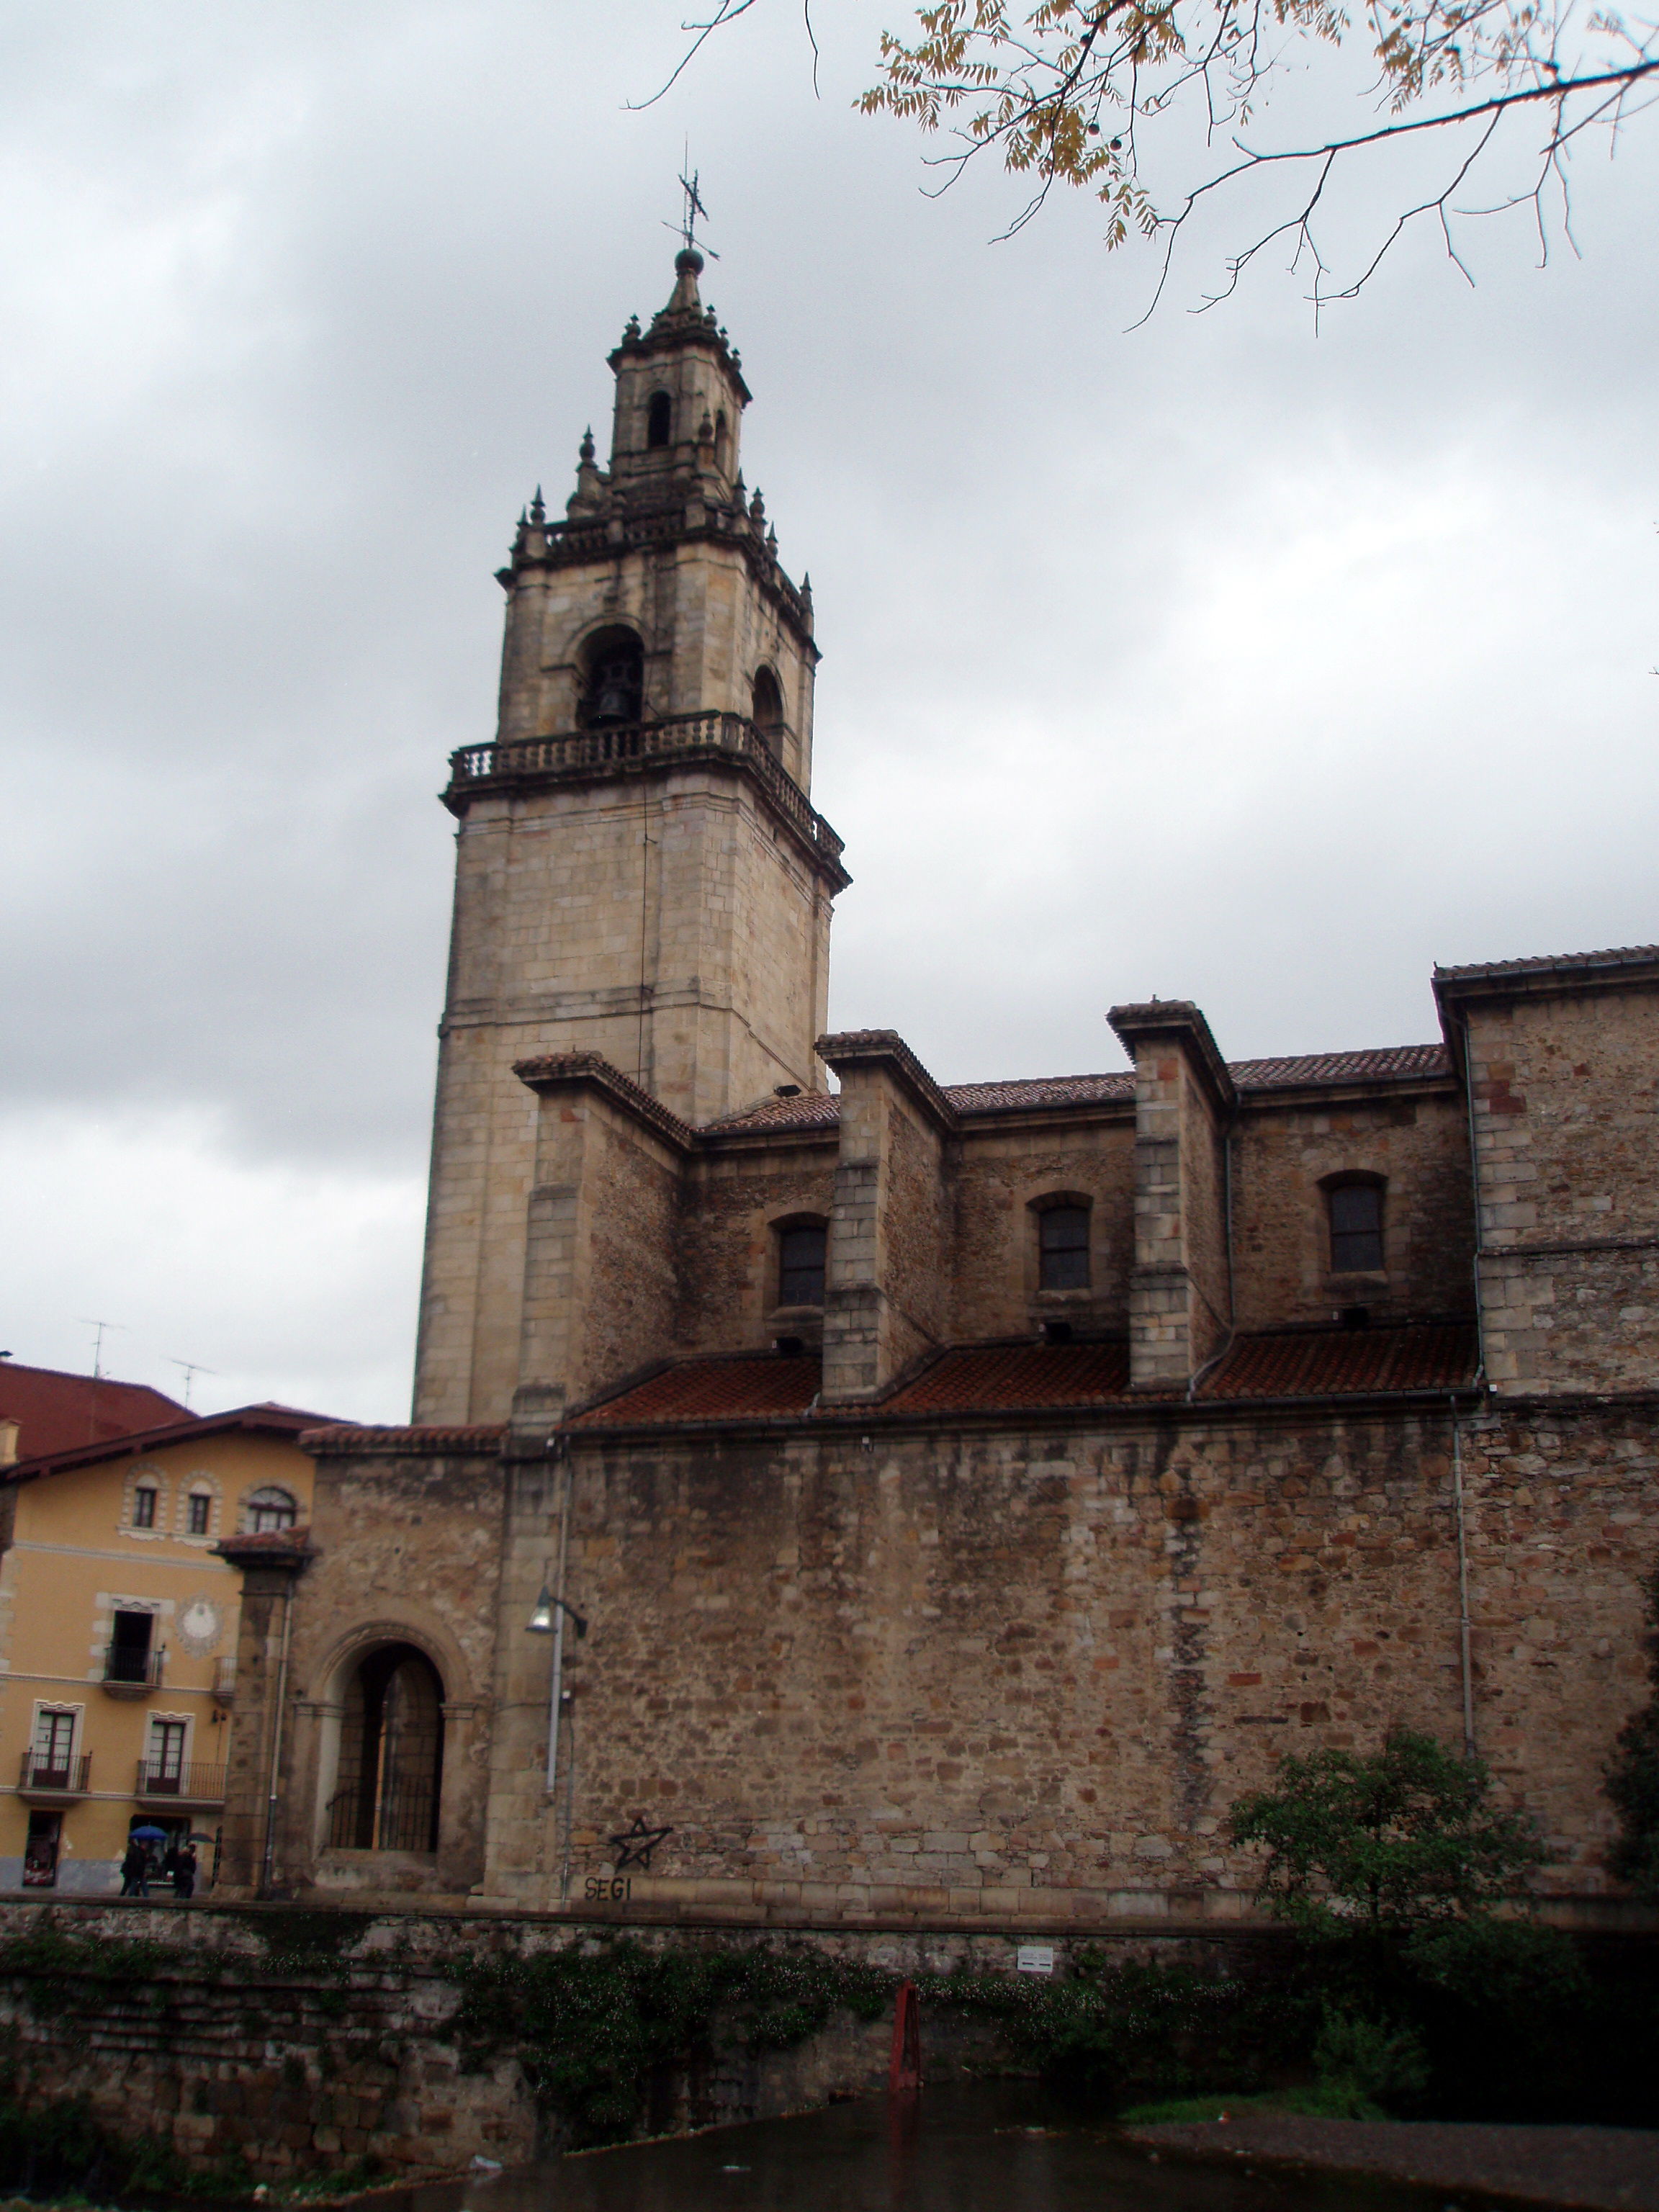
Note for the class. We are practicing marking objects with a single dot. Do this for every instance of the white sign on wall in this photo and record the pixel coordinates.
(1034, 1959)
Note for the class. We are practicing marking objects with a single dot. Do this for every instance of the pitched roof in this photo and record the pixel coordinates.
(752, 1386)
(1012, 1378)
(55, 1412)
(263, 1421)
(1334, 1363)
(1005, 1377)
(821, 1109)
(1619, 956)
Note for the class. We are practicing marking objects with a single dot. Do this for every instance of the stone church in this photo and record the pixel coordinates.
(836, 1498)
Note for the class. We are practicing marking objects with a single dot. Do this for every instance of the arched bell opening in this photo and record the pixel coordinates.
(767, 710)
(613, 685)
(389, 1779)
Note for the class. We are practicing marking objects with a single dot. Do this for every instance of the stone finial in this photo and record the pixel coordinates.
(631, 330)
(685, 300)
(538, 510)
(589, 483)
(585, 451)
(706, 429)
(757, 510)
(771, 543)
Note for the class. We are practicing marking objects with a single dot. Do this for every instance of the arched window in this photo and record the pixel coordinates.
(660, 419)
(392, 1754)
(1356, 1225)
(722, 441)
(1063, 1247)
(768, 707)
(614, 692)
(801, 1249)
(269, 1509)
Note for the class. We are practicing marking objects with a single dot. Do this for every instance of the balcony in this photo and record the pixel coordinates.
(131, 1673)
(583, 752)
(188, 1784)
(53, 1779)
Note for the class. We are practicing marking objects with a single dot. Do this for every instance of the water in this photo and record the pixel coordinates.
(989, 2149)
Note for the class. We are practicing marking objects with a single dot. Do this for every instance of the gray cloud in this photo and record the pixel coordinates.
(1212, 657)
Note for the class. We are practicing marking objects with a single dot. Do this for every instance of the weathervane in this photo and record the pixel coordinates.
(687, 225)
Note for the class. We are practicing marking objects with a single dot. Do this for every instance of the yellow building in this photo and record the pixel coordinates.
(118, 1637)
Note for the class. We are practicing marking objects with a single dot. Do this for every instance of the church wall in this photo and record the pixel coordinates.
(1281, 1242)
(1017, 1672)
(1565, 1093)
(995, 1288)
(407, 1549)
(727, 1260)
(1203, 1217)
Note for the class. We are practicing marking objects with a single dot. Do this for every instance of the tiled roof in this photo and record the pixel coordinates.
(263, 1420)
(343, 1437)
(812, 1110)
(750, 1387)
(1335, 1362)
(1397, 1060)
(57, 1412)
(1012, 1378)
(821, 1109)
(1041, 1090)
(997, 1377)
(1619, 956)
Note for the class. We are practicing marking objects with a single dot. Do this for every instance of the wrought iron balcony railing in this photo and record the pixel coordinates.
(615, 744)
(130, 1672)
(47, 1777)
(188, 1782)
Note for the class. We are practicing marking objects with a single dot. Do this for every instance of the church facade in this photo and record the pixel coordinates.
(919, 1504)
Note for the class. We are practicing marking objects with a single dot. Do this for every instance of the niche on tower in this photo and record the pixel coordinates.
(767, 711)
(613, 680)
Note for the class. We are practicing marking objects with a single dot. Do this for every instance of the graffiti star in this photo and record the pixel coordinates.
(636, 1845)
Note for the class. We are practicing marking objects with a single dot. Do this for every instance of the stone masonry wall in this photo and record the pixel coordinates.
(993, 1263)
(971, 1674)
(1281, 1231)
(727, 1262)
(1565, 1091)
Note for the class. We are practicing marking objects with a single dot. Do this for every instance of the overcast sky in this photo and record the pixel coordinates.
(1213, 659)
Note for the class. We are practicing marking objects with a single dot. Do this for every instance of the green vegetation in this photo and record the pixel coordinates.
(1389, 1842)
(1633, 1778)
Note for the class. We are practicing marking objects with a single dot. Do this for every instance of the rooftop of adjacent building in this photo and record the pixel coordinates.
(268, 1420)
(57, 1412)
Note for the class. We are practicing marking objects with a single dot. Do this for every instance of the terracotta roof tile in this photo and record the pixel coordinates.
(58, 1412)
(821, 1109)
(1619, 956)
(997, 1377)
(347, 1437)
(1283, 1072)
(812, 1110)
(1041, 1090)
(1321, 1363)
(753, 1387)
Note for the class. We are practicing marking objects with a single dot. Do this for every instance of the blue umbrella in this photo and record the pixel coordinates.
(148, 1835)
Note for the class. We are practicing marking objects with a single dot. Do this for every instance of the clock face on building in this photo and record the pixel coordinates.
(200, 1625)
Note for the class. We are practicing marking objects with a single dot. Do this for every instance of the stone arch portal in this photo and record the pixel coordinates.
(390, 1776)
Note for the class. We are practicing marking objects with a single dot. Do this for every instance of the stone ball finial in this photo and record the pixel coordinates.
(585, 451)
(688, 262)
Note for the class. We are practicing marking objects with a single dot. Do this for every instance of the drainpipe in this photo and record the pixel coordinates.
(1479, 1226)
(268, 1870)
(1463, 1631)
(556, 1707)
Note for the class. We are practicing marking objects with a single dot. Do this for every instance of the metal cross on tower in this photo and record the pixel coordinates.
(694, 208)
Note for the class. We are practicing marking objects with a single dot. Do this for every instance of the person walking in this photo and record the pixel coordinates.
(183, 1870)
(135, 1870)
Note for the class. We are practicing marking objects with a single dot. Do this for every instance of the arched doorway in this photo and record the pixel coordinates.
(392, 1754)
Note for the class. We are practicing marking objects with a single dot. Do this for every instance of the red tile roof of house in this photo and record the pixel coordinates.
(1334, 1363)
(749, 1386)
(995, 1378)
(1011, 1379)
(55, 1412)
(821, 1109)
(262, 1420)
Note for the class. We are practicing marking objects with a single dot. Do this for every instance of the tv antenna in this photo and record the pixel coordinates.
(687, 225)
(192, 1368)
(92, 1322)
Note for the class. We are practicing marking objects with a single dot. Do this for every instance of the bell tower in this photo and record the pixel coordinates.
(640, 872)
